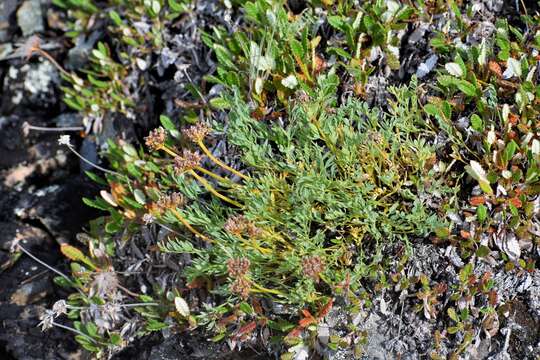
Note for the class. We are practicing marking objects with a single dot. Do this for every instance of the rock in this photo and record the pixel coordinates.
(32, 292)
(5, 50)
(24, 285)
(7, 8)
(30, 17)
(12, 142)
(68, 119)
(32, 84)
(78, 56)
(89, 151)
(59, 207)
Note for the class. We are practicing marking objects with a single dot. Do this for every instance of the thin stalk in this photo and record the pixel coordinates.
(52, 129)
(256, 246)
(280, 239)
(261, 289)
(219, 162)
(215, 176)
(70, 147)
(188, 225)
(210, 188)
(53, 61)
(138, 304)
(48, 267)
(201, 169)
(74, 330)
(44, 263)
(169, 151)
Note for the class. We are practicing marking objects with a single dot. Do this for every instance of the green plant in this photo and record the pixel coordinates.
(324, 197)
(104, 91)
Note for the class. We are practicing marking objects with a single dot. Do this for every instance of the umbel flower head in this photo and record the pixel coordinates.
(156, 139)
(105, 284)
(187, 161)
(197, 132)
(238, 267)
(241, 287)
(312, 267)
(237, 224)
(171, 201)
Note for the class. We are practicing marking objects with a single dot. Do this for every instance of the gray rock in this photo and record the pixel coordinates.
(30, 17)
(77, 56)
(5, 49)
(69, 119)
(7, 8)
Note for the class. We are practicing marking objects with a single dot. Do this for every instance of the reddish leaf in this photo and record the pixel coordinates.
(493, 298)
(246, 329)
(477, 200)
(307, 314)
(305, 322)
(516, 202)
(227, 320)
(196, 283)
(513, 118)
(495, 68)
(295, 332)
(326, 309)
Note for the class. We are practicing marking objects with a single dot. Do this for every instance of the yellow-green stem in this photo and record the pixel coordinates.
(201, 169)
(169, 151)
(261, 289)
(188, 225)
(215, 176)
(256, 246)
(210, 188)
(219, 162)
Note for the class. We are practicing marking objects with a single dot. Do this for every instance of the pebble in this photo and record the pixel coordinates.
(30, 17)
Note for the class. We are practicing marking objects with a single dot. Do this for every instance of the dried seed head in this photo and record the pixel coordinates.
(236, 225)
(148, 218)
(47, 320)
(156, 139)
(188, 160)
(171, 201)
(105, 284)
(30, 46)
(312, 267)
(238, 267)
(253, 231)
(241, 287)
(64, 140)
(196, 132)
(60, 307)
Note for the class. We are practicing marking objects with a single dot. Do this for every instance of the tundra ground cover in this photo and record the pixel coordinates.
(301, 192)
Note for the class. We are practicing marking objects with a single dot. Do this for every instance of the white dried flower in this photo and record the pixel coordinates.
(47, 321)
(64, 140)
(59, 308)
(105, 284)
(148, 218)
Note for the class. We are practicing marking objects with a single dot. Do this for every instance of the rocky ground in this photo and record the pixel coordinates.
(41, 185)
